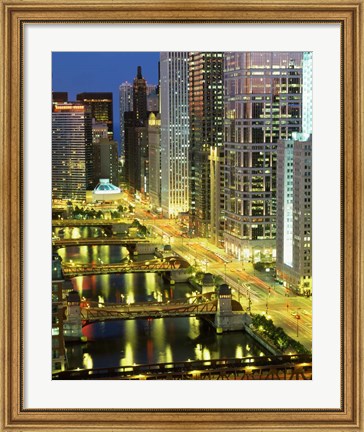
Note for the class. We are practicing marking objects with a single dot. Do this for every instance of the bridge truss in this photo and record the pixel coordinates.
(91, 314)
(284, 367)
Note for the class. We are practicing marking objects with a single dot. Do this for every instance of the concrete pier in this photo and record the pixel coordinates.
(225, 318)
(72, 326)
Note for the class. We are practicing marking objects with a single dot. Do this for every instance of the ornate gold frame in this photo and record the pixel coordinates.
(349, 13)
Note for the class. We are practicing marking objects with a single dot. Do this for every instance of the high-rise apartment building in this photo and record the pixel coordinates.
(72, 155)
(294, 218)
(126, 105)
(206, 111)
(263, 104)
(174, 133)
(101, 108)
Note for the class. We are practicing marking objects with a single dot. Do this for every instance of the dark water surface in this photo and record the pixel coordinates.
(120, 343)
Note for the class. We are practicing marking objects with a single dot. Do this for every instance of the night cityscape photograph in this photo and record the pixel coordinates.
(181, 215)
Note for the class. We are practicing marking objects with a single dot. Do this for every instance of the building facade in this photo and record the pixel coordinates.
(136, 138)
(105, 154)
(152, 98)
(206, 111)
(294, 213)
(217, 198)
(174, 133)
(263, 104)
(72, 151)
(99, 131)
(58, 345)
(154, 137)
(307, 92)
(60, 97)
(125, 105)
(101, 108)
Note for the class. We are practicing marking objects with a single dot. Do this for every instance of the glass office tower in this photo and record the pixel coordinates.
(263, 104)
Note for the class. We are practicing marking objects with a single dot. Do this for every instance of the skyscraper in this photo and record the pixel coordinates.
(105, 162)
(126, 105)
(99, 131)
(294, 172)
(136, 138)
(140, 99)
(72, 156)
(101, 108)
(206, 110)
(294, 217)
(174, 133)
(152, 98)
(154, 137)
(263, 104)
(307, 92)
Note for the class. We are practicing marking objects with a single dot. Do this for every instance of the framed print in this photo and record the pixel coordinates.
(205, 231)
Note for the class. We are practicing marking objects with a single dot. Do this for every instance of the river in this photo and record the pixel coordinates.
(140, 341)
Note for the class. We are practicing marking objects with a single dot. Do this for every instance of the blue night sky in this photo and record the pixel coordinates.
(78, 72)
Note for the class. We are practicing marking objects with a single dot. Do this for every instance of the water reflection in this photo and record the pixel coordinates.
(115, 343)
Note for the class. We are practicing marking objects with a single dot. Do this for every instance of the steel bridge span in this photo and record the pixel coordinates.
(283, 367)
(89, 222)
(156, 265)
(99, 241)
(91, 314)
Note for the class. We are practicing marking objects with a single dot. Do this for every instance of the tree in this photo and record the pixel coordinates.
(136, 224)
(218, 280)
(143, 230)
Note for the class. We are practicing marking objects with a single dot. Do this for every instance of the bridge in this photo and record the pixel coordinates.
(283, 367)
(91, 314)
(89, 222)
(99, 241)
(218, 308)
(155, 265)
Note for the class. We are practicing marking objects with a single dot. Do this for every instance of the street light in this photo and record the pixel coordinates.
(297, 319)
(267, 304)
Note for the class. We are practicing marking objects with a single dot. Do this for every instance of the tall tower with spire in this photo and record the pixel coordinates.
(140, 99)
(136, 138)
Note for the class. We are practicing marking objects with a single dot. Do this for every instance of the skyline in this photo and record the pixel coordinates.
(267, 97)
(206, 194)
(79, 72)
